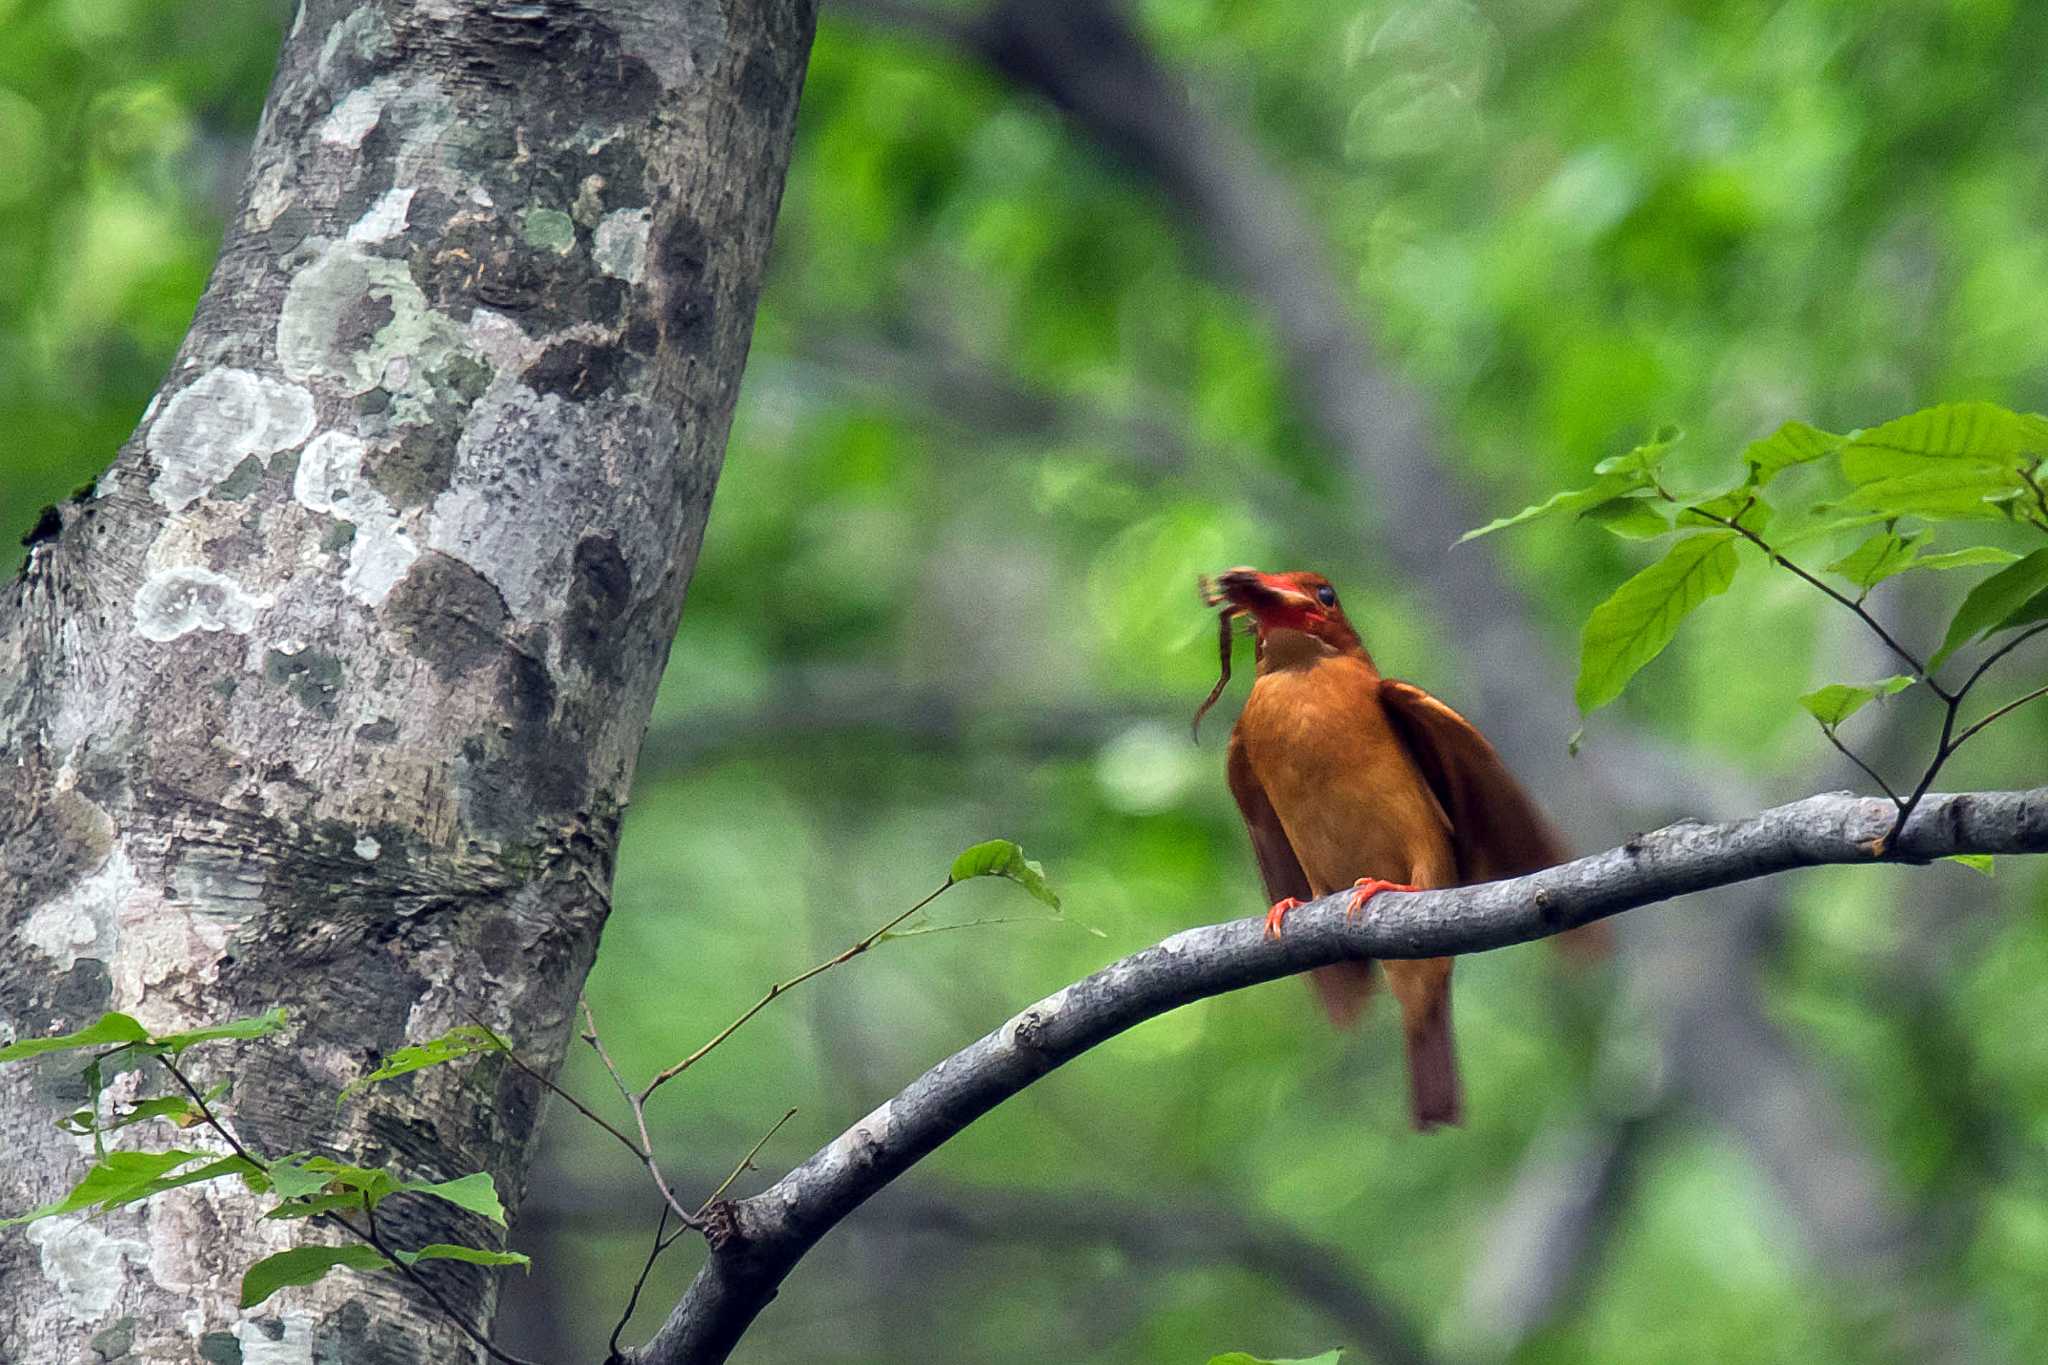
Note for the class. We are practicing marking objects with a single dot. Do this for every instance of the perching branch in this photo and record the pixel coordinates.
(757, 1241)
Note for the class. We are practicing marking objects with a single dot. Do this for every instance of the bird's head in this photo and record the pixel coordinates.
(1299, 607)
(1303, 602)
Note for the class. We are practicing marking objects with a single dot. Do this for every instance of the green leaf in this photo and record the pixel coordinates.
(260, 1026)
(474, 1192)
(1795, 443)
(118, 1178)
(1620, 476)
(443, 1251)
(1837, 702)
(1002, 858)
(304, 1265)
(107, 1030)
(1641, 464)
(464, 1040)
(1633, 516)
(1634, 625)
(313, 1205)
(1968, 558)
(1959, 493)
(213, 1170)
(1879, 557)
(2002, 600)
(297, 1177)
(1978, 862)
(176, 1108)
(292, 1177)
(1972, 434)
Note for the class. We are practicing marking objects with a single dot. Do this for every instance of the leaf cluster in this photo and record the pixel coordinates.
(303, 1185)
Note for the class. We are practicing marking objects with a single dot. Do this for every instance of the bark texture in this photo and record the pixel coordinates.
(328, 693)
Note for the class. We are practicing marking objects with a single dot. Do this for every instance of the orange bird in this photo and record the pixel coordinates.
(1349, 779)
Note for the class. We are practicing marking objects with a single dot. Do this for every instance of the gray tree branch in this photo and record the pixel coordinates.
(757, 1241)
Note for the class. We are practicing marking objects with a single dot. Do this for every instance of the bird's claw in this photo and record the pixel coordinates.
(1365, 888)
(1279, 913)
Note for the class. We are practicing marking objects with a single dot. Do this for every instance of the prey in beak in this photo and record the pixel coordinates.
(1302, 602)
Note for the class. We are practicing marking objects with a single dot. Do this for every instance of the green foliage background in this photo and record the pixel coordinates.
(999, 415)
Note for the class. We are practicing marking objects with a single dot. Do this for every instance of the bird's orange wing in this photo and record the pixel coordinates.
(1344, 987)
(1278, 867)
(1497, 831)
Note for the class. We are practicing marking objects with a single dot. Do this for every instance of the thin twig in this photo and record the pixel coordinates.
(746, 1162)
(633, 1299)
(2003, 710)
(1862, 614)
(638, 1104)
(779, 987)
(1868, 771)
(368, 1234)
(1942, 749)
(596, 1041)
(2008, 647)
(663, 1243)
(211, 1119)
(555, 1089)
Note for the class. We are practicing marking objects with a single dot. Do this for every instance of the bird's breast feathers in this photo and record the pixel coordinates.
(1350, 798)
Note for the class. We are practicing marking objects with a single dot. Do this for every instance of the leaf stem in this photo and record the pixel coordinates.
(368, 1237)
(2009, 707)
(1862, 613)
(1868, 771)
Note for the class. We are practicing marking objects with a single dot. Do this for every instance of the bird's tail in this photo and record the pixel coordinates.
(1424, 989)
(1433, 1070)
(1345, 990)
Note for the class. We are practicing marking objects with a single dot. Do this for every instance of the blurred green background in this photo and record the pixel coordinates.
(1000, 411)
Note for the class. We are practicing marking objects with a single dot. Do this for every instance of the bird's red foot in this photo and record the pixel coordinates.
(1279, 913)
(1365, 888)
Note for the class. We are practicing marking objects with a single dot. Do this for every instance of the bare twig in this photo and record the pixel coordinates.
(2004, 710)
(633, 1299)
(638, 1104)
(548, 1082)
(746, 1162)
(770, 1232)
(664, 1077)
(2008, 647)
(1868, 771)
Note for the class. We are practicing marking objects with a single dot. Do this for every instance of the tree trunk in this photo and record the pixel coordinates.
(328, 694)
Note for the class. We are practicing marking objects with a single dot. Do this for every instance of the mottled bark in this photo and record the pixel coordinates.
(328, 694)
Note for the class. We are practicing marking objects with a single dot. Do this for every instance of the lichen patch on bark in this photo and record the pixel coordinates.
(357, 322)
(176, 601)
(81, 921)
(212, 424)
(385, 218)
(619, 243)
(330, 480)
(86, 1266)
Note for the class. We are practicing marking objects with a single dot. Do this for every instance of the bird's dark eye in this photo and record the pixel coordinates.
(1326, 595)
